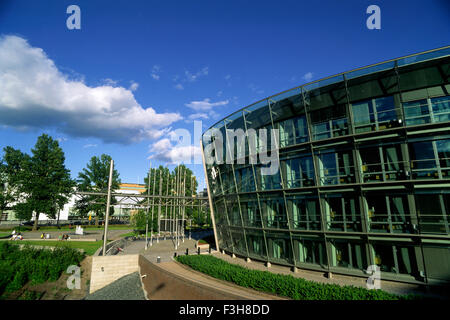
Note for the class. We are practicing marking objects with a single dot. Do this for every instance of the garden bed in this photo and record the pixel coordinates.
(282, 285)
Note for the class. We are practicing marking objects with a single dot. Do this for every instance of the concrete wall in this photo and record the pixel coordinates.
(108, 269)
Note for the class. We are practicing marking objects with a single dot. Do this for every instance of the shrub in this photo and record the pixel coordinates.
(283, 285)
(17, 266)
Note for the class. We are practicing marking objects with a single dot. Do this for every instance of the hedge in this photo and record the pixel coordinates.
(283, 285)
(18, 266)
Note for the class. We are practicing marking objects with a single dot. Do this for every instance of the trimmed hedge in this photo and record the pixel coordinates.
(283, 285)
(18, 266)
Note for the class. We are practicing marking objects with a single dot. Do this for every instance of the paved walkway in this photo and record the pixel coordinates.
(96, 234)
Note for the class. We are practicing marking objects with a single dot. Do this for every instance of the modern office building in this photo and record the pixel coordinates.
(363, 176)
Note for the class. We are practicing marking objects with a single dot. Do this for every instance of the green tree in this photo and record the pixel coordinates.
(39, 183)
(44, 181)
(94, 178)
(168, 185)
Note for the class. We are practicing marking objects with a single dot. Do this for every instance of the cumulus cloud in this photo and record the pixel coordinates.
(164, 151)
(35, 94)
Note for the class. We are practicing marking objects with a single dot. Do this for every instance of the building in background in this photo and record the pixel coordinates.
(123, 209)
(363, 178)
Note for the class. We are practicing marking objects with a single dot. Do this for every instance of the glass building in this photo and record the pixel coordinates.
(363, 176)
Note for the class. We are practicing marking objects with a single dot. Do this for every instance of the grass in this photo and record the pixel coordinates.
(89, 247)
(129, 234)
(4, 234)
(65, 228)
(282, 285)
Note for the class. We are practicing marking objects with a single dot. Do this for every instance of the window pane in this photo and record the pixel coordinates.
(441, 108)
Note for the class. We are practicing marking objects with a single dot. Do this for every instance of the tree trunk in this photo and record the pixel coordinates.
(57, 221)
(96, 219)
(36, 220)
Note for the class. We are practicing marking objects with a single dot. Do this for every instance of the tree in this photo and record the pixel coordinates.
(94, 178)
(10, 169)
(44, 181)
(169, 177)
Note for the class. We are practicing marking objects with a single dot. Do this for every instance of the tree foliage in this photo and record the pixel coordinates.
(94, 178)
(40, 183)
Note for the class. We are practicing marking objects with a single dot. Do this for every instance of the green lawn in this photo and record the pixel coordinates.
(88, 246)
(2, 234)
(65, 228)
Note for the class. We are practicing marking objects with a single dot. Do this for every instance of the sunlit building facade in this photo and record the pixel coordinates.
(363, 178)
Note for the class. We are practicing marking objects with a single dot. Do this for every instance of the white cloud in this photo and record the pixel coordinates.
(307, 76)
(134, 86)
(205, 109)
(165, 152)
(205, 104)
(155, 72)
(89, 146)
(179, 86)
(110, 82)
(191, 77)
(198, 116)
(35, 94)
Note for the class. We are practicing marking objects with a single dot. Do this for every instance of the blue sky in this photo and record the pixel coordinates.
(137, 70)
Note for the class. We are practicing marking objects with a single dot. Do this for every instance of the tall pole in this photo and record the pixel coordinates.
(108, 204)
(159, 206)
(167, 201)
(153, 207)
(184, 202)
(148, 205)
(175, 208)
(192, 205)
(211, 208)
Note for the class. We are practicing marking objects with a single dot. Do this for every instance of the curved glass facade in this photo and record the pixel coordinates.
(362, 175)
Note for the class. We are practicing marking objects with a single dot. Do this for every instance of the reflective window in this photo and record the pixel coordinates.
(416, 112)
(382, 163)
(298, 172)
(342, 212)
(388, 213)
(245, 180)
(336, 168)
(430, 159)
(348, 254)
(433, 210)
(398, 259)
(310, 251)
(279, 247)
(304, 212)
(441, 108)
(250, 213)
(256, 246)
(329, 122)
(293, 131)
(375, 114)
(274, 213)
